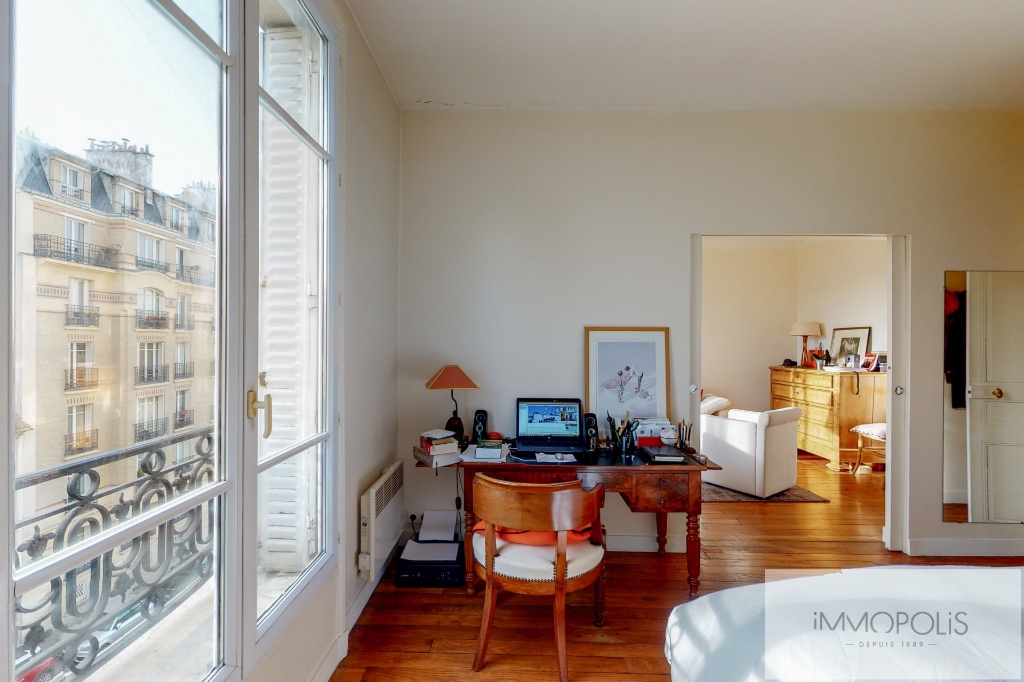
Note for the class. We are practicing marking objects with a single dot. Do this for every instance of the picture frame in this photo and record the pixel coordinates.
(880, 362)
(627, 371)
(850, 341)
(868, 361)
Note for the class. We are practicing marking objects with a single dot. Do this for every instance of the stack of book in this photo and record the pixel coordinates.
(437, 448)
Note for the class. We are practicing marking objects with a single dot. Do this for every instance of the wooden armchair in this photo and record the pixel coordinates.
(538, 568)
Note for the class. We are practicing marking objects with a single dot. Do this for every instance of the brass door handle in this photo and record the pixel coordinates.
(998, 393)
(267, 405)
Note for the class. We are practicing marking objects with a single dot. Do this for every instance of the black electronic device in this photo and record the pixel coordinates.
(479, 425)
(590, 433)
(432, 573)
(788, 363)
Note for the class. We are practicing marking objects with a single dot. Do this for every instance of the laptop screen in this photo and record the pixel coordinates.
(548, 418)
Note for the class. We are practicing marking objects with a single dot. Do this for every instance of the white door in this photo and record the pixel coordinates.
(995, 396)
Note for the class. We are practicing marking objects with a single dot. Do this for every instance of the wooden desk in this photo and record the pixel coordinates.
(656, 488)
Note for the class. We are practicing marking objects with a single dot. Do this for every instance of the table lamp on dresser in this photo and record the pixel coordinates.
(805, 329)
(452, 378)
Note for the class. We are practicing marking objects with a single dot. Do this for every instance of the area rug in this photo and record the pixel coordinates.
(710, 492)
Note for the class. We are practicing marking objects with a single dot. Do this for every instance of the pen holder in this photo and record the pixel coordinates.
(624, 447)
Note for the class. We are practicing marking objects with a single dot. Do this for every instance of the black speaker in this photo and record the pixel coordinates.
(479, 425)
(590, 435)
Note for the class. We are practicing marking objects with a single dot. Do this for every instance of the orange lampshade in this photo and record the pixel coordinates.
(451, 378)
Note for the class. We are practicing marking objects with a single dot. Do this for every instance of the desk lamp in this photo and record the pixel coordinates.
(449, 378)
(805, 329)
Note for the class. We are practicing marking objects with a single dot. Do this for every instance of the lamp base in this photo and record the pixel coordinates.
(455, 425)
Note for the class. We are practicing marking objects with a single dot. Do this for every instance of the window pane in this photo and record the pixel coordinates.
(208, 14)
(147, 606)
(290, 343)
(98, 165)
(291, 54)
(289, 524)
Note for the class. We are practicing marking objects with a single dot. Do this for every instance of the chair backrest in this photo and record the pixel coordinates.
(535, 506)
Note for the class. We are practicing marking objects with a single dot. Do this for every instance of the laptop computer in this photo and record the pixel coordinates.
(550, 425)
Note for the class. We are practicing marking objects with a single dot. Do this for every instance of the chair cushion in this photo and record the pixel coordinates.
(537, 562)
(533, 537)
(713, 403)
(876, 431)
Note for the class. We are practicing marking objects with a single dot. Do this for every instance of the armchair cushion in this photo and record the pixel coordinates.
(537, 562)
(713, 403)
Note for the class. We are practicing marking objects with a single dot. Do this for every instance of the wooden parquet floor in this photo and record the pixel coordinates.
(429, 635)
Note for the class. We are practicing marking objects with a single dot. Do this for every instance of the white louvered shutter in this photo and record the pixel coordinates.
(289, 344)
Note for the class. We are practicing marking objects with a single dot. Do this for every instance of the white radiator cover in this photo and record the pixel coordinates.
(381, 520)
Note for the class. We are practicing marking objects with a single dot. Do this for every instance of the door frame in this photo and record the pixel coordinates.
(897, 470)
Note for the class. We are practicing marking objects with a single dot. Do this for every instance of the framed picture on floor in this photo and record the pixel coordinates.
(627, 371)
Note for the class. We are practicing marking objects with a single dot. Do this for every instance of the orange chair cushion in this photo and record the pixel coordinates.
(534, 537)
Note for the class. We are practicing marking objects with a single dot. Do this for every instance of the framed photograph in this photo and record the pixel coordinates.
(850, 341)
(627, 370)
(869, 360)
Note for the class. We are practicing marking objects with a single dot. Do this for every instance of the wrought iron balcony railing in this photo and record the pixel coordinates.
(183, 418)
(161, 568)
(130, 210)
(184, 322)
(82, 441)
(184, 370)
(194, 275)
(83, 316)
(49, 246)
(148, 430)
(150, 264)
(150, 319)
(150, 374)
(177, 225)
(81, 378)
(71, 191)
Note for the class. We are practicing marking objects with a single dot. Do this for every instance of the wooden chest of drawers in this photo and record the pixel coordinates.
(832, 403)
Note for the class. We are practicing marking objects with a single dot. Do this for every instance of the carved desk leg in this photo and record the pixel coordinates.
(693, 551)
(661, 520)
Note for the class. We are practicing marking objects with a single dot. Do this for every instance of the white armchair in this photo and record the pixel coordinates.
(756, 450)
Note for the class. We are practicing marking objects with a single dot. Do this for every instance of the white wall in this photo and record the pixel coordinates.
(748, 303)
(844, 284)
(503, 209)
(310, 648)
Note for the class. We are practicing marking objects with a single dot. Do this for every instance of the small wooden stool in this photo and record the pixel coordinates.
(873, 432)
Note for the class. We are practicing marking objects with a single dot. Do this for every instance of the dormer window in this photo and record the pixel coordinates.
(129, 202)
(71, 182)
(177, 219)
(210, 230)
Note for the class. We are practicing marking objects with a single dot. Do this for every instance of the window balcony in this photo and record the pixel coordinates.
(192, 274)
(130, 210)
(184, 322)
(149, 264)
(154, 428)
(83, 316)
(71, 191)
(151, 319)
(184, 370)
(184, 418)
(48, 246)
(150, 374)
(81, 378)
(83, 441)
(177, 225)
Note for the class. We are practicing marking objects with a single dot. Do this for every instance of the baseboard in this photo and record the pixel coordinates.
(337, 652)
(356, 609)
(645, 543)
(965, 547)
(954, 497)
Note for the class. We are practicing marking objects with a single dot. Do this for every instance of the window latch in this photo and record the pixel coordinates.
(267, 405)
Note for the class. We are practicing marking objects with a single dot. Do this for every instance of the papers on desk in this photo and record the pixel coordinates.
(545, 458)
(430, 551)
(439, 524)
(470, 455)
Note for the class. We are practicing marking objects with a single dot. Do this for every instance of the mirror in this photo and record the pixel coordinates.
(983, 397)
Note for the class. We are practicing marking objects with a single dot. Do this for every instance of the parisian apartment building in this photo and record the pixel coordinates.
(123, 346)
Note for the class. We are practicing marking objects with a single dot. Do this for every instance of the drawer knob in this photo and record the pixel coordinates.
(662, 481)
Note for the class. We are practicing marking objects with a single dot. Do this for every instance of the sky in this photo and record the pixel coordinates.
(113, 69)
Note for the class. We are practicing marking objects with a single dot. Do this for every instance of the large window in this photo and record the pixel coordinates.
(155, 533)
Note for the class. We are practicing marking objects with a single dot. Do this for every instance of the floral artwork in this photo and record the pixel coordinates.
(627, 372)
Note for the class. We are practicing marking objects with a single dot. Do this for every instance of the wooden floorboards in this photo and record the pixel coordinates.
(429, 635)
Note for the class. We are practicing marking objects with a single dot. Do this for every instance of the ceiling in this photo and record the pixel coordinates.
(706, 54)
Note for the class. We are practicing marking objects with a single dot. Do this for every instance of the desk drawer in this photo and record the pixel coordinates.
(817, 396)
(818, 413)
(613, 482)
(661, 493)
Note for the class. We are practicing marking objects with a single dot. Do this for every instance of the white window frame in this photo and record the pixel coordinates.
(129, 198)
(78, 291)
(149, 408)
(74, 229)
(151, 353)
(151, 300)
(242, 646)
(79, 424)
